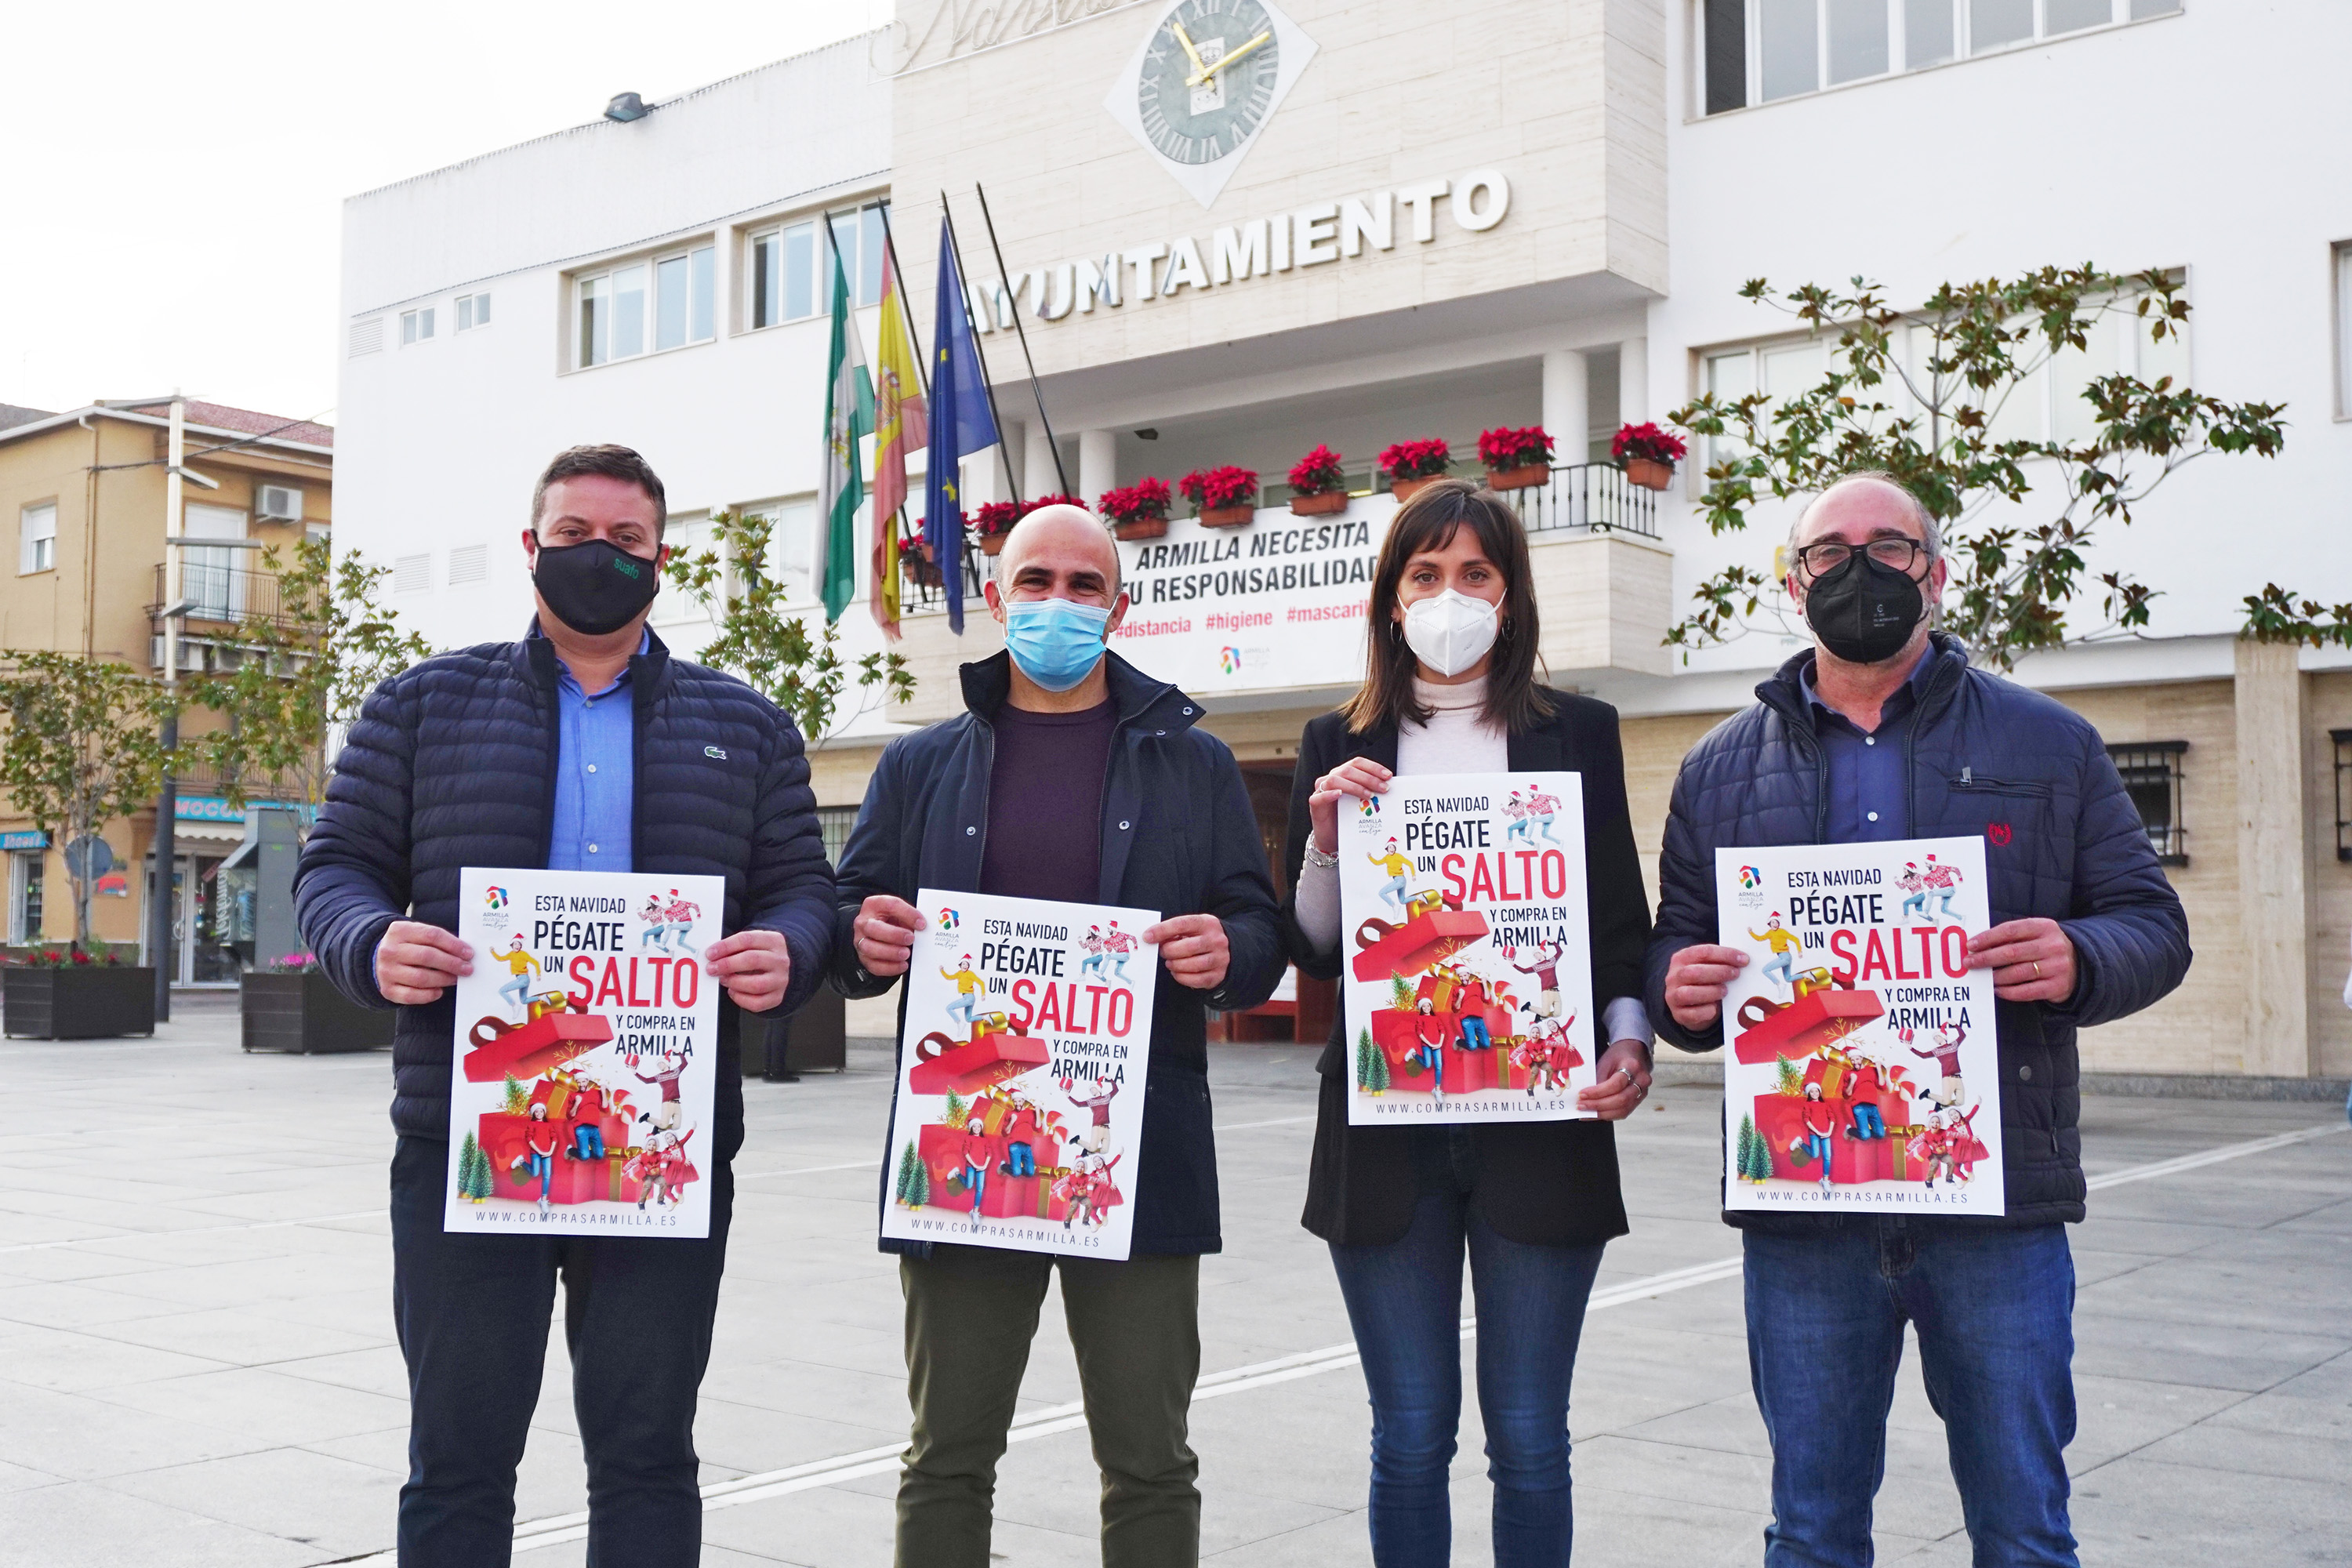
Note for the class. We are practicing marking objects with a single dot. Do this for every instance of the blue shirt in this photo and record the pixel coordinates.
(596, 775)
(1869, 783)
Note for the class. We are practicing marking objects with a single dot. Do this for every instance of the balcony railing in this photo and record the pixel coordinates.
(224, 595)
(922, 593)
(1588, 498)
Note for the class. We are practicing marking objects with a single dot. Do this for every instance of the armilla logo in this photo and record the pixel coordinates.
(1229, 660)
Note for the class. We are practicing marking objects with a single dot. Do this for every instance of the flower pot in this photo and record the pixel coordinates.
(1648, 473)
(991, 543)
(303, 1012)
(1324, 505)
(1403, 490)
(1141, 528)
(1526, 476)
(1227, 516)
(78, 1002)
(922, 574)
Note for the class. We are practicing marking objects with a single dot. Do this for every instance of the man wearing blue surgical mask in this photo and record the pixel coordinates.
(1073, 776)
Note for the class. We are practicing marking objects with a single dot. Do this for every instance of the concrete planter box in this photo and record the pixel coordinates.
(305, 1014)
(91, 1002)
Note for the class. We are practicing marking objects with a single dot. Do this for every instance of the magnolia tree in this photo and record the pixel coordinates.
(802, 673)
(304, 673)
(81, 749)
(1946, 399)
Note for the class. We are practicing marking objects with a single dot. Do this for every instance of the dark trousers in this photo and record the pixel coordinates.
(1994, 1310)
(1404, 1302)
(472, 1314)
(970, 1314)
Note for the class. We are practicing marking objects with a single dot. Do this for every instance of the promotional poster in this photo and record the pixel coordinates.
(1863, 1071)
(1469, 967)
(1021, 1075)
(584, 1077)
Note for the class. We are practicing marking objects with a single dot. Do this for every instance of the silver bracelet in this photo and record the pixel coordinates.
(1316, 857)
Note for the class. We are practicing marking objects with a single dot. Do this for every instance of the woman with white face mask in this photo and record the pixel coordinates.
(1450, 687)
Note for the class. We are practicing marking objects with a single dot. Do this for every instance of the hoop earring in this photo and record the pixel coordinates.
(1396, 631)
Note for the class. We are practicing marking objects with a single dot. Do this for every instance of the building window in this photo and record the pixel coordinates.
(473, 310)
(835, 821)
(415, 326)
(1758, 51)
(789, 278)
(2343, 740)
(2151, 775)
(36, 533)
(618, 321)
(792, 559)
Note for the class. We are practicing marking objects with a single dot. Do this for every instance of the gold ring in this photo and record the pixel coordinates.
(2037, 971)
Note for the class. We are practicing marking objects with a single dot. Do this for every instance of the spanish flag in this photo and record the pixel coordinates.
(900, 426)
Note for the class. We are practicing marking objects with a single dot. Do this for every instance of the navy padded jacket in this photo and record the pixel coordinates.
(452, 763)
(1984, 753)
(1178, 835)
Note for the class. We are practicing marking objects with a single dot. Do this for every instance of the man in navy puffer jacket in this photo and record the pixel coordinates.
(1886, 732)
(583, 747)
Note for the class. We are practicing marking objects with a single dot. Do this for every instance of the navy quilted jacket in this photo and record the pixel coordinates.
(452, 763)
(1178, 835)
(1982, 752)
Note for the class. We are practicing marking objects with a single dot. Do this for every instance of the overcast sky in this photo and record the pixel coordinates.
(172, 204)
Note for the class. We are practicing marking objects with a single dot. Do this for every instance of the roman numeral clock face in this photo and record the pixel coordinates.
(1207, 76)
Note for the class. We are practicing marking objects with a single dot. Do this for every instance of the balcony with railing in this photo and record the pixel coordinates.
(1587, 497)
(211, 595)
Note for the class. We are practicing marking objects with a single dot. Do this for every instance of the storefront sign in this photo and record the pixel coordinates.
(31, 839)
(1278, 603)
(1367, 224)
(206, 808)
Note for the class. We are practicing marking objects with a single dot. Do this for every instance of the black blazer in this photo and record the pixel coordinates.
(1540, 1183)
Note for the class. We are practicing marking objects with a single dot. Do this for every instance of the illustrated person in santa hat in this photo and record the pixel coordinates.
(961, 1006)
(1106, 1090)
(1946, 1054)
(1819, 1123)
(540, 1142)
(656, 918)
(585, 1111)
(976, 1160)
(1516, 809)
(1862, 1087)
(667, 1114)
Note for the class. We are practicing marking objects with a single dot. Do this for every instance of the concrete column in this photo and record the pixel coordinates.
(1097, 464)
(1565, 411)
(1036, 462)
(1632, 381)
(2273, 861)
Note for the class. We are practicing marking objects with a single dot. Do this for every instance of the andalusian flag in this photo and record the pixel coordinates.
(901, 428)
(849, 418)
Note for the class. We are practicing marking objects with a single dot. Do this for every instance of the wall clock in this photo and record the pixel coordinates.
(1203, 82)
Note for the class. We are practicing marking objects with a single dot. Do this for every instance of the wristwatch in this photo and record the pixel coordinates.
(1316, 857)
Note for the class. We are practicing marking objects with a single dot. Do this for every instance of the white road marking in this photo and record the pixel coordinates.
(192, 1230)
(558, 1529)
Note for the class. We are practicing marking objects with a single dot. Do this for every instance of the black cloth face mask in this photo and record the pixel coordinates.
(594, 588)
(1863, 612)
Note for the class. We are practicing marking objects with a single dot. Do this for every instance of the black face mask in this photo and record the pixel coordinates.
(1863, 612)
(594, 588)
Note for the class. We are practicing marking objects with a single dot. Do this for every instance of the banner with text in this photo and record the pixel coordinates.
(1278, 603)
(1021, 1075)
(1864, 1070)
(1469, 957)
(585, 1072)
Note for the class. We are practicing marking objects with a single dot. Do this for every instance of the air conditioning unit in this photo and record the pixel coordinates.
(278, 503)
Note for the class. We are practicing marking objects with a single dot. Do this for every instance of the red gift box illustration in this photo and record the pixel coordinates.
(1769, 1028)
(1781, 1121)
(988, 1058)
(1412, 947)
(526, 1050)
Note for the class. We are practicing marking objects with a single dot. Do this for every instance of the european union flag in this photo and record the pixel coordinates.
(960, 425)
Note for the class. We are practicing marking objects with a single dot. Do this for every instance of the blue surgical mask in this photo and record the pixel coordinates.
(1056, 643)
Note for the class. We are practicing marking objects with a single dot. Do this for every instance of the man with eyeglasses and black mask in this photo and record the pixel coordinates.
(1885, 731)
(583, 747)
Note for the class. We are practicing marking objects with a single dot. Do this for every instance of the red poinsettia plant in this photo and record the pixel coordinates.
(1416, 460)
(1318, 474)
(995, 517)
(1646, 440)
(1144, 501)
(1211, 489)
(69, 958)
(1507, 448)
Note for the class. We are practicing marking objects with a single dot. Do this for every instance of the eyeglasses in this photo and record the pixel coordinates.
(1821, 560)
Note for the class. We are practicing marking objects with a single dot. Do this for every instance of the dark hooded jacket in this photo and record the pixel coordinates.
(2062, 841)
(453, 763)
(1178, 835)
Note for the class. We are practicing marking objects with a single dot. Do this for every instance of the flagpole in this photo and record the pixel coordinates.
(1060, 476)
(1007, 280)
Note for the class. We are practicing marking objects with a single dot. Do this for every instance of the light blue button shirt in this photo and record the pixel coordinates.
(595, 775)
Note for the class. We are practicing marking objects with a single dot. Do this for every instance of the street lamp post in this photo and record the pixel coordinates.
(167, 801)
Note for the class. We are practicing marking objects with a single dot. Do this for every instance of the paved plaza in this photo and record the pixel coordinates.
(197, 1365)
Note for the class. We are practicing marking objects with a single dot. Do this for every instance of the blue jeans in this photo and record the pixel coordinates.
(1782, 965)
(544, 1167)
(962, 1004)
(1474, 1036)
(588, 1142)
(1867, 1122)
(472, 1313)
(1404, 1302)
(1994, 1310)
(1020, 1160)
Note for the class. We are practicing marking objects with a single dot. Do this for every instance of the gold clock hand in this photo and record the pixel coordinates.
(1209, 71)
(1190, 52)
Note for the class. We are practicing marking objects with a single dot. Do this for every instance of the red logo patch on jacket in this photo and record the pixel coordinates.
(1997, 832)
